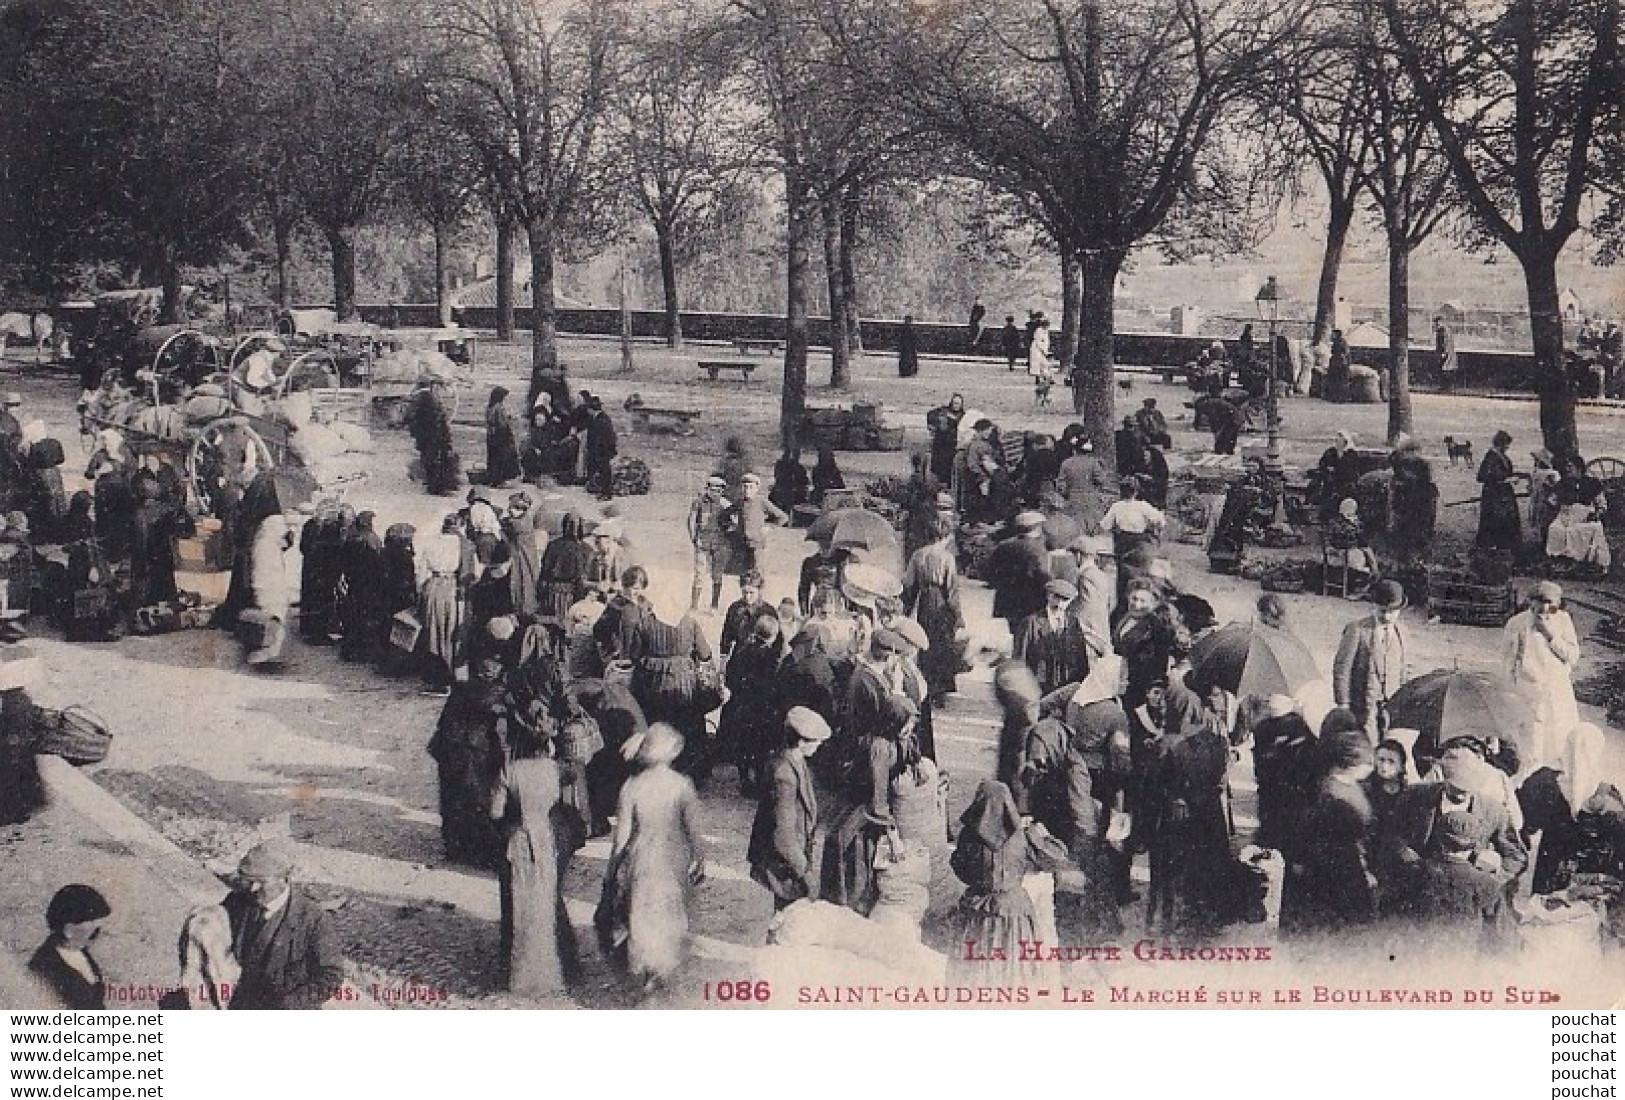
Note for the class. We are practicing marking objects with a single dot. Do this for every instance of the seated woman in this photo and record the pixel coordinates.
(1576, 544)
(1346, 544)
(826, 476)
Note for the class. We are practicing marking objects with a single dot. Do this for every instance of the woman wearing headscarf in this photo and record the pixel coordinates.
(399, 587)
(1285, 767)
(1541, 650)
(864, 814)
(1499, 524)
(931, 597)
(538, 942)
(64, 962)
(361, 577)
(440, 608)
(519, 530)
(1552, 798)
(994, 853)
(501, 445)
(430, 426)
(564, 569)
(468, 752)
(1329, 885)
(321, 541)
(1336, 473)
(657, 857)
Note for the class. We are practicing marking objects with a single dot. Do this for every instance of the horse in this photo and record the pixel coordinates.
(36, 329)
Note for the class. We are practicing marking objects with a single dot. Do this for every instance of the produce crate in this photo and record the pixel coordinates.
(1456, 596)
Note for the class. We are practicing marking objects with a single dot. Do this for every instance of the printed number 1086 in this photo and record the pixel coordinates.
(725, 992)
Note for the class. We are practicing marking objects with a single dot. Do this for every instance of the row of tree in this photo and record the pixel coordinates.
(158, 134)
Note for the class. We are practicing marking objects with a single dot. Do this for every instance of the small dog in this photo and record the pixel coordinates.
(1042, 384)
(1462, 450)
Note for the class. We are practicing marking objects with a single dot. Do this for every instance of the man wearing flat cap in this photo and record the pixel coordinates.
(1051, 641)
(781, 838)
(285, 943)
(1370, 662)
(1017, 570)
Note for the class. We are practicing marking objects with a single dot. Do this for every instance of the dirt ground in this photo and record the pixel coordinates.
(332, 754)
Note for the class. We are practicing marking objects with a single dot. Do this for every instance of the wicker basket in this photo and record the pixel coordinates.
(76, 734)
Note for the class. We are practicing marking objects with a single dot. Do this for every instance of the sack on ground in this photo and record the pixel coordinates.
(903, 878)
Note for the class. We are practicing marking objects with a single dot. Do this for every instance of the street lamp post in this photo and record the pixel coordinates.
(1269, 309)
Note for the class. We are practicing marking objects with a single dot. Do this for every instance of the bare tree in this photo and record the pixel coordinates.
(1515, 91)
(1409, 183)
(530, 83)
(1314, 86)
(1101, 120)
(680, 130)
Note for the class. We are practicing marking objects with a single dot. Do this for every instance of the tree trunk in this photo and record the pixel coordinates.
(1399, 335)
(668, 283)
(1557, 427)
(1071, 307)
(798, 264)
(545, 370)
(172, 310)
(851, 210)
(1092, 377)
(341, 241)
(505, 235)
(442, 273)
(282, 232)
(840, 352)
(1331, 266)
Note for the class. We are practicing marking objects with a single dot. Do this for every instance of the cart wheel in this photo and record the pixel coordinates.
(314, 370)
(209, 465)
(1608, 470)
(248, 345)
(196, 353)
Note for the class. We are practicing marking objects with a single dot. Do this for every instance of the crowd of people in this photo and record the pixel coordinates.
(574, 710)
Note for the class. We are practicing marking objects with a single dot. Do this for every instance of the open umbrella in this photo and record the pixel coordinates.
(1250, 659)
(1448, 703)
(856, 528)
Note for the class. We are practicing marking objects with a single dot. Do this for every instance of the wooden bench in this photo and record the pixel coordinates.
(714, 367)
(677, 421)
(772, 347)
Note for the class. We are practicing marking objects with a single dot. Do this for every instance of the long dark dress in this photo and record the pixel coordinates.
(466, 748)
(361, 565)
(1499, 525)
(501, 445)
(320, 541)
(944, 424)
(527, 564)
(931, 595)
(538, 943)
(1192, 832)
(22, 793)
(431, 431)
(848, 868)
(1284, 766)
(1327, 885)
(1546, 811)
(565, 566)
(908, 351)
(751, 725)
(1416, 506)
(152, 558)
(994, 853)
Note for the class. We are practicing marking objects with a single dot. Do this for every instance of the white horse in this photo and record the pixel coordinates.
(36, 329)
